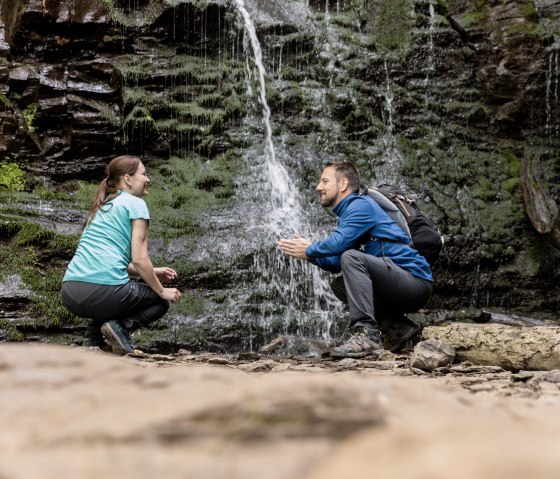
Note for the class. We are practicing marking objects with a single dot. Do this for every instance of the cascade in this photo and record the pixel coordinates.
(552, 94)
(296, 284)
(391, 158)
(431, 67)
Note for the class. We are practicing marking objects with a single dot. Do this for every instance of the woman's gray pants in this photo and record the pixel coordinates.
(370, 283)
(134, 303)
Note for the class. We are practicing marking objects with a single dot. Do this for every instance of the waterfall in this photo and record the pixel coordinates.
(298, 284)
(283, 196)
(391, 158)
(552, 94)
(388, 100)
(431, 67)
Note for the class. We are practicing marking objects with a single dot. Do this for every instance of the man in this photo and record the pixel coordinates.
(381, 273)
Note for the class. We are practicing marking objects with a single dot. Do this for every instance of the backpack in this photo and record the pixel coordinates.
(426, 238)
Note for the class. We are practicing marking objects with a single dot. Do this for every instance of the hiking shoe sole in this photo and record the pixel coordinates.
(119, 344)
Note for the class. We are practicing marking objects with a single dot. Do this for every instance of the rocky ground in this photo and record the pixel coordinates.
(69, 411)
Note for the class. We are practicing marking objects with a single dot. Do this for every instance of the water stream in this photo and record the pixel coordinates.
(552, 93)
(431, 64)
(388, 169)
(296, 285)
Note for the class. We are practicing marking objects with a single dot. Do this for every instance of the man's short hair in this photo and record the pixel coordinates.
(348, 171)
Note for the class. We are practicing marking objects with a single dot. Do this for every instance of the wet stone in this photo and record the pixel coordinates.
(348, 363)
(248, 356)
(431, 354)
(383, 365)
(218, 360)
(258, 367)
(547, 377)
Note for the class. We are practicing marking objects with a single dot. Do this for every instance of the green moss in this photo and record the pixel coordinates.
(529, 9)
(511, 185)
(475, 15)
(12, 334)
(189, 305)
(29, 116)
(138, 116)
(139, 96)
(132, 67)
(393, 25)
(190, 187)
(4, 100)
(203, 95)
(484, 190)
(29, 249)
(535, 30)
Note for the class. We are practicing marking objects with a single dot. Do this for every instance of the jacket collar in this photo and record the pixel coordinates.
(340, 208)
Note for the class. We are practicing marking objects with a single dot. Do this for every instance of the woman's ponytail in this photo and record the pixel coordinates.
(108, 188)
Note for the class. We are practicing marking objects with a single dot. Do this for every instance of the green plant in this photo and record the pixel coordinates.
(29, 116)
(11, 176)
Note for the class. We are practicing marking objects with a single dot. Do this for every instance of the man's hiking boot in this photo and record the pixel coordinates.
(118, 337)
(362, 343)
(398, 332)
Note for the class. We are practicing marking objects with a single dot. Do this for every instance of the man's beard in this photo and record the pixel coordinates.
(326, 202)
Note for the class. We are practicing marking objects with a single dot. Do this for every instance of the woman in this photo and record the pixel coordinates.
(113, 247)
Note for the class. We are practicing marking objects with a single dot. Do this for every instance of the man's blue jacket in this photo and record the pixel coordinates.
(362, 225)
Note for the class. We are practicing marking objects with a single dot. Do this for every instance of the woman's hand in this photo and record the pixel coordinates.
(170, 294)
(165, 274)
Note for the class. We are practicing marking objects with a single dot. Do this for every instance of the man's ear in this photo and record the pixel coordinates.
(344, 184)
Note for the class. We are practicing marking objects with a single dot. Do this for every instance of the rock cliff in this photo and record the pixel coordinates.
(454, 100)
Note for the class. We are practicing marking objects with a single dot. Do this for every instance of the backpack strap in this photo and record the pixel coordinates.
(392, 210)
(385, 240)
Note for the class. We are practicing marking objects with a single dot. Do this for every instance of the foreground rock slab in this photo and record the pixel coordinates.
(536, 348)
(68, 412)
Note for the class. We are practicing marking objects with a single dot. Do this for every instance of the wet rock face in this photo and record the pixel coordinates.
(65, 75)
(444, 98)
(58, 86)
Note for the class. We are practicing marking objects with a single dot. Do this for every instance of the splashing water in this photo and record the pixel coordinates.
(298, 284)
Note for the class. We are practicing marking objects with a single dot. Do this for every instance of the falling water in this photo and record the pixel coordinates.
(298, 284)
(431, 67)
(552, 94)
(283, 196)
(391, 158)
(388, 99)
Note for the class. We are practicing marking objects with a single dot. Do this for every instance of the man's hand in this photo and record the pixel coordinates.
(294, 247)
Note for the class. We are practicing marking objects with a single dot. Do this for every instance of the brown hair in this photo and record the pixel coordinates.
(116, 169)
(348, 171)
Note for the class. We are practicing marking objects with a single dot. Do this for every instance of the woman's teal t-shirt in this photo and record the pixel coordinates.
(104, 251)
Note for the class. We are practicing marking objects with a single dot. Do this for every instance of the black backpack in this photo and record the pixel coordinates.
(425, 235)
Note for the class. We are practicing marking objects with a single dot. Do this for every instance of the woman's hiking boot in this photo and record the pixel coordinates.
(93, 338)
(362, 343)
(118, 337)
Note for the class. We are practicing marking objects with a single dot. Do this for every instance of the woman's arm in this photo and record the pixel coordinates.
(142, 264)
(163, 273)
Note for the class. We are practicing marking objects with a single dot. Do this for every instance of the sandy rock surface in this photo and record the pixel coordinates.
(70, 412)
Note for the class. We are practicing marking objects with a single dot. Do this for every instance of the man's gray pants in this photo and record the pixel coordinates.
(369, 283)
